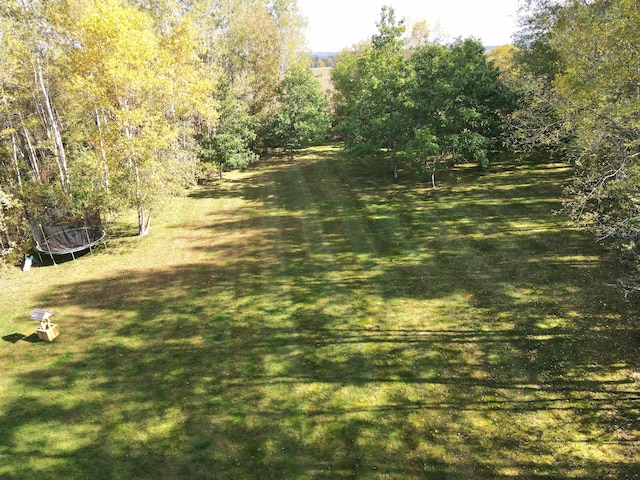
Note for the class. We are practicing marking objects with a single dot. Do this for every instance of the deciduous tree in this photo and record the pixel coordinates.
(31, 97)
(303, 115)
(140, 89)
(600, 90)
(377, 98)
(230, 144)
(460, 99)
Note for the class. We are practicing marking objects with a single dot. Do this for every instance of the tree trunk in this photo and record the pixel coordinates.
(144, 222)
(4, 231)
(57, 137)
(394, 162)
(33, 157)
(15, 161)
(103, 153)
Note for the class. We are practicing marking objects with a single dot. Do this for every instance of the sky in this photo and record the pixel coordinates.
(337, 24)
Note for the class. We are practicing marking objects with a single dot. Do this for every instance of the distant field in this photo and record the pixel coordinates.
(314, 320)
(324, 75)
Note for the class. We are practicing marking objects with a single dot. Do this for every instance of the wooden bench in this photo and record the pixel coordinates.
(47, 331)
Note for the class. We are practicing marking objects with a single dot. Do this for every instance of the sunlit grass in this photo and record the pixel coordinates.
(311, 319)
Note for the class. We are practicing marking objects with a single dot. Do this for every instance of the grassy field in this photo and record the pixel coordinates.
(323, 74)
(313, 320)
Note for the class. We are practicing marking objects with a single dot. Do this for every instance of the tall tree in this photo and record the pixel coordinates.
(290, 24)
(376, 100)
(303, 115)
(600, 91)
(254, 42)
(230, 144)
(537, 55)
(348, 82)
(30, 45)
(460, 99)
(140, 89)
(537, 124)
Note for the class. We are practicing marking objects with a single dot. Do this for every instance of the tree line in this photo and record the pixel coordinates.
(575, 68)
(420, 101)
(323, 60)
(569, 85)
(107, 105)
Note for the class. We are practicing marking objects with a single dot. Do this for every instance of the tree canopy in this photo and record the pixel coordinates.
(107, 104)
(303, 112)
(374, 86)
(581, 58)
(392, 98)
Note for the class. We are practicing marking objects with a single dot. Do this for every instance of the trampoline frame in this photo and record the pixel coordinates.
(72, 249)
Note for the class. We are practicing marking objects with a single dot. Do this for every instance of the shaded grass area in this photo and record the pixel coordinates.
(312, 320)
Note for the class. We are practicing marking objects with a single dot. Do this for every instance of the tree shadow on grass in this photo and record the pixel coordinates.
(296, 350)
(189, 384)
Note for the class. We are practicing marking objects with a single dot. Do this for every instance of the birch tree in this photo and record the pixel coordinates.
(139, 89)
(30, 91)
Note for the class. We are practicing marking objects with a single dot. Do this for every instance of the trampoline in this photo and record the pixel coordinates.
(66, 239)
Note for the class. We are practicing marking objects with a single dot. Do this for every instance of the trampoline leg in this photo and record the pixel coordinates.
(47, 243)
(86, 231)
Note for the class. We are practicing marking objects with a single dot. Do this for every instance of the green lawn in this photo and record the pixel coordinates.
(313, 320)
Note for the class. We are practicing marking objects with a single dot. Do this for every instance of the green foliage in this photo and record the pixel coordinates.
(8, 222)
(255, 43)
(227, 150)
(597, 102)
(88, 195)
(45, 202)
(460, 97)
(537, 55)
(580, 64)
(374, 88)
(387, 94)
(424, 150)
(230, 145)
(537, 124)
(302, 117)
(348, 82)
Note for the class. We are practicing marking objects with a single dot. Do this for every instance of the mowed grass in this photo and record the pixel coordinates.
(313, 320)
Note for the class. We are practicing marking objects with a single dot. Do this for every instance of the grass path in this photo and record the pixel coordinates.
(312, 320)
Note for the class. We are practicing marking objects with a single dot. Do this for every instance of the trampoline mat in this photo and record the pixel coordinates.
(64, 239)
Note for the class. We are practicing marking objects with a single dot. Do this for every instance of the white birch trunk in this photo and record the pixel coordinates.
(103, 153)
(33, 156)
(55, 130)
(15, 160)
